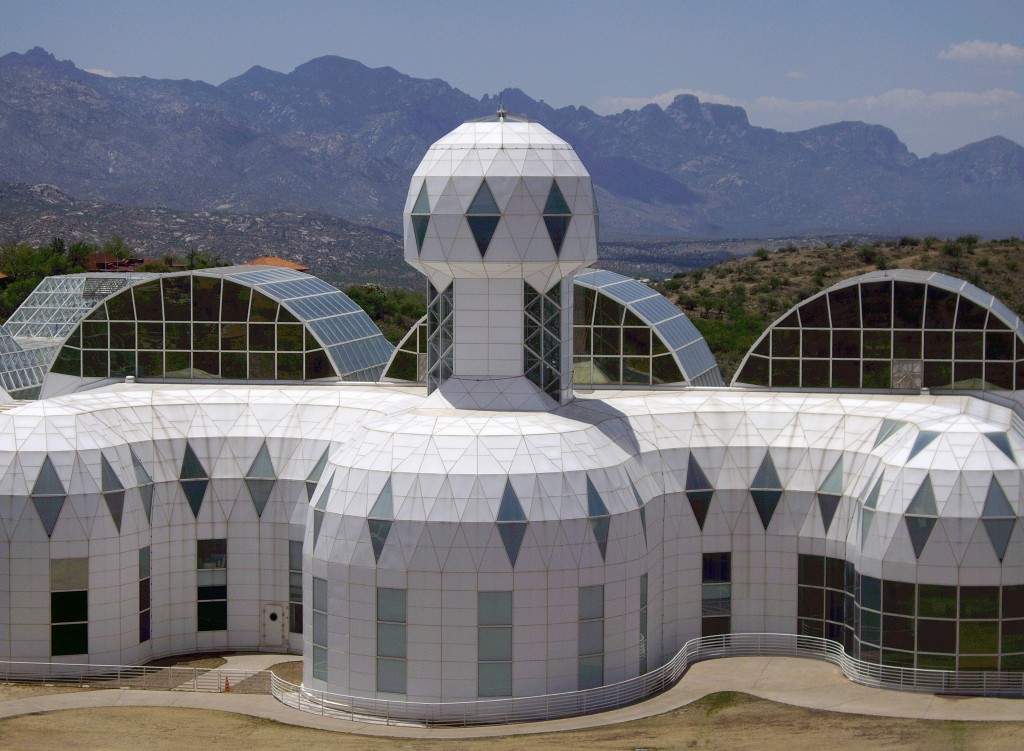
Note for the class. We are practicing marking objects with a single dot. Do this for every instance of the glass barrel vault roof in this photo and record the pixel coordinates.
(122, 324)
(897, 329)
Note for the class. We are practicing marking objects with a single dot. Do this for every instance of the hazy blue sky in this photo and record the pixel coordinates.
(940, 73)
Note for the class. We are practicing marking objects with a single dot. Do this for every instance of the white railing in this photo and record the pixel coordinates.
(612, 696)
(144, 677)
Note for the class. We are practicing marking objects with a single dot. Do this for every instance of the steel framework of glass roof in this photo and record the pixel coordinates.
(281, 325)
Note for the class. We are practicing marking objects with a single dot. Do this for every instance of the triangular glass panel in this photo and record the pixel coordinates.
(321, 502)
(833, 484)
(419, 230)
(557, 227)
(886, 430)
(923, 503)
(47, 481)
(48, 508)
(872, 499)
(195, 490)
(191, 467)
(996, 503)
(422, 205)
(643, 522)
(1002, 442)
(259, 490)
(318, 521)
(314, 476)
(556, 201)
(384, 506)
(146, 496)
(483, 230)
(601, 525)
(115, 505)
(766, 477)
(866, 516)
(920, 529)
(695, 477)
(379, 530)
(510, 509)
(108, 477)
(700, 502)
(595, 505)
(923, 439)
(999, 531)
(766, 501)
(828, 504)
(141, 475)
(483, 202)
(512, 534)
(262, 467)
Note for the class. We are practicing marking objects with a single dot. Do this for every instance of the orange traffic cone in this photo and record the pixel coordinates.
(227, 684)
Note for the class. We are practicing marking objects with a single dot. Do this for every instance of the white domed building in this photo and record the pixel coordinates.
(544, 501)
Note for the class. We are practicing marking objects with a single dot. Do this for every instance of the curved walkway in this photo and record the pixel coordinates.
(789, 680)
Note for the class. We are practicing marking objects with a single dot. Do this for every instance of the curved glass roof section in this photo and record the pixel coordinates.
(624, 334)
(891, 330)
(236, 322)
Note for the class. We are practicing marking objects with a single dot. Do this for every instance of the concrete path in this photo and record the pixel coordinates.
(800, 682)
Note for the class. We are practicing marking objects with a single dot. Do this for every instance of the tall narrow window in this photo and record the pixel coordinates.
(591, 636)
(320, 629)
(69, 606)
(144, 594)
(494, 643)
(212, 580)
(716, 594)
(643, 624)
(440, 336)
(391, 640)
(295, 586)
(542, 332)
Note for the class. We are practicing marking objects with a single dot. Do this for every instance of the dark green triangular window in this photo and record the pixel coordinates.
(260, 479)
(483, 216)
(511, 523)
(314, 476)
(556, 217)
(380, 519)
(420, 216)
(113, 491)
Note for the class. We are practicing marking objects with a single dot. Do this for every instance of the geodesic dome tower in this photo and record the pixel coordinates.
(500, 215)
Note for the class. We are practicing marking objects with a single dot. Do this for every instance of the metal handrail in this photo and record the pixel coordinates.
(623, 693)
(144, 677)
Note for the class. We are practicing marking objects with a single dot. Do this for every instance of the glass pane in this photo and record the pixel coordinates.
(494, 679)
(494, 608)
(177, 298)
(320, 663)
(320, 628)
(979, 602)
(591, 637)
(898, 597)
(495, 643)
(148, 301)
(295, 555)
(979, 637)
(319, 594)
(391, 605)
(391, 676)
(591, 672)
(591, 602)
(212, 616)
(206, 300)
(68, 607)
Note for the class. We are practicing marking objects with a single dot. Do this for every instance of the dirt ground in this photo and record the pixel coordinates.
(719, 721)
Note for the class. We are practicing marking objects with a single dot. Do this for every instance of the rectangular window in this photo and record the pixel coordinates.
(144, 594)
(295, 586)
(591, 637)
(494, 643)
(643, 625)
(69, 606)
(391, 640)
(212, 581)
(716, 594)
(320, 629)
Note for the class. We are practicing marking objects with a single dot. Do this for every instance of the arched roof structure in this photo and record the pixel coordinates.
(233, 323)
(891, 330)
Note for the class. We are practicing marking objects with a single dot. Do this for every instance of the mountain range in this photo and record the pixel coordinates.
(337, 138)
